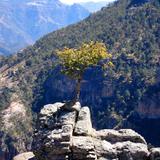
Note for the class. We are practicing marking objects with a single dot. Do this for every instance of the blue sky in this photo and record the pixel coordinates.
(76, 1)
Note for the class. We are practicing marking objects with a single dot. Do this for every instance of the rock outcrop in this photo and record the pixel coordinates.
(155, 154)
(65, 133)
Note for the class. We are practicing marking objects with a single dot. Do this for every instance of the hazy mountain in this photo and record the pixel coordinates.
(94, 6)
(23, 22)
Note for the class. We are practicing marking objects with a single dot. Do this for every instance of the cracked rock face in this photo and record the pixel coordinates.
(66, 133)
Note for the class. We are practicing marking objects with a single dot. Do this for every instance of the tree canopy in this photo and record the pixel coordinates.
(75, 61)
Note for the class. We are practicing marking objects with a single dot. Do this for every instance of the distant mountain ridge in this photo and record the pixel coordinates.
(23, 22)
(94, 6)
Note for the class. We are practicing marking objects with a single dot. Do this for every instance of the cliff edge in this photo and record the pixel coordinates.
(65, 132)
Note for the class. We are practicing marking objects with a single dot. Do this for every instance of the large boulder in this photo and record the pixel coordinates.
(114, 136)
(121, 150)
(54, 132)
(46, 114)
(84, 125)
(65, 132)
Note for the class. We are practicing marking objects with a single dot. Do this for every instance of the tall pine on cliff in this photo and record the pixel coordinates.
(131, 31)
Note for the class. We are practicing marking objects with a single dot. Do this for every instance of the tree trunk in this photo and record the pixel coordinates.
(77, 94)
(78, 89)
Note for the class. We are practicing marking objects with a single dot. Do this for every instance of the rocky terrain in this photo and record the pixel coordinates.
(65, 133)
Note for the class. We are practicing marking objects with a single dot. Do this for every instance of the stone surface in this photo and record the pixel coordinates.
(131, 151)
(119, 136)
(50, 109)
(84, 125)
(65, 133)
(104, 149)
(155, 154)
(83, 148)
(77, 106)
(121, 150)
(25, 156)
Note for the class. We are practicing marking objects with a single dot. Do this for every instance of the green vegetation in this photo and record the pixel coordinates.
(74, 62)
(5, 98)
(132, 36)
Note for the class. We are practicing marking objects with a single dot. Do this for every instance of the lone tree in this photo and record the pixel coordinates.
(74, 62)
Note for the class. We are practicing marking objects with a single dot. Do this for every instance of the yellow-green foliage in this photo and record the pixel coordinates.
(75, 61)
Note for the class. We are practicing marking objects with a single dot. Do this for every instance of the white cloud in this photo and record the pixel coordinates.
(77, 1)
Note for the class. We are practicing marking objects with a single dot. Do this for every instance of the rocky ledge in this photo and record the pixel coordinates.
(65, 133)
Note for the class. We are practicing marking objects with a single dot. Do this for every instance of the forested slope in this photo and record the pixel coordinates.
(127, 97)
